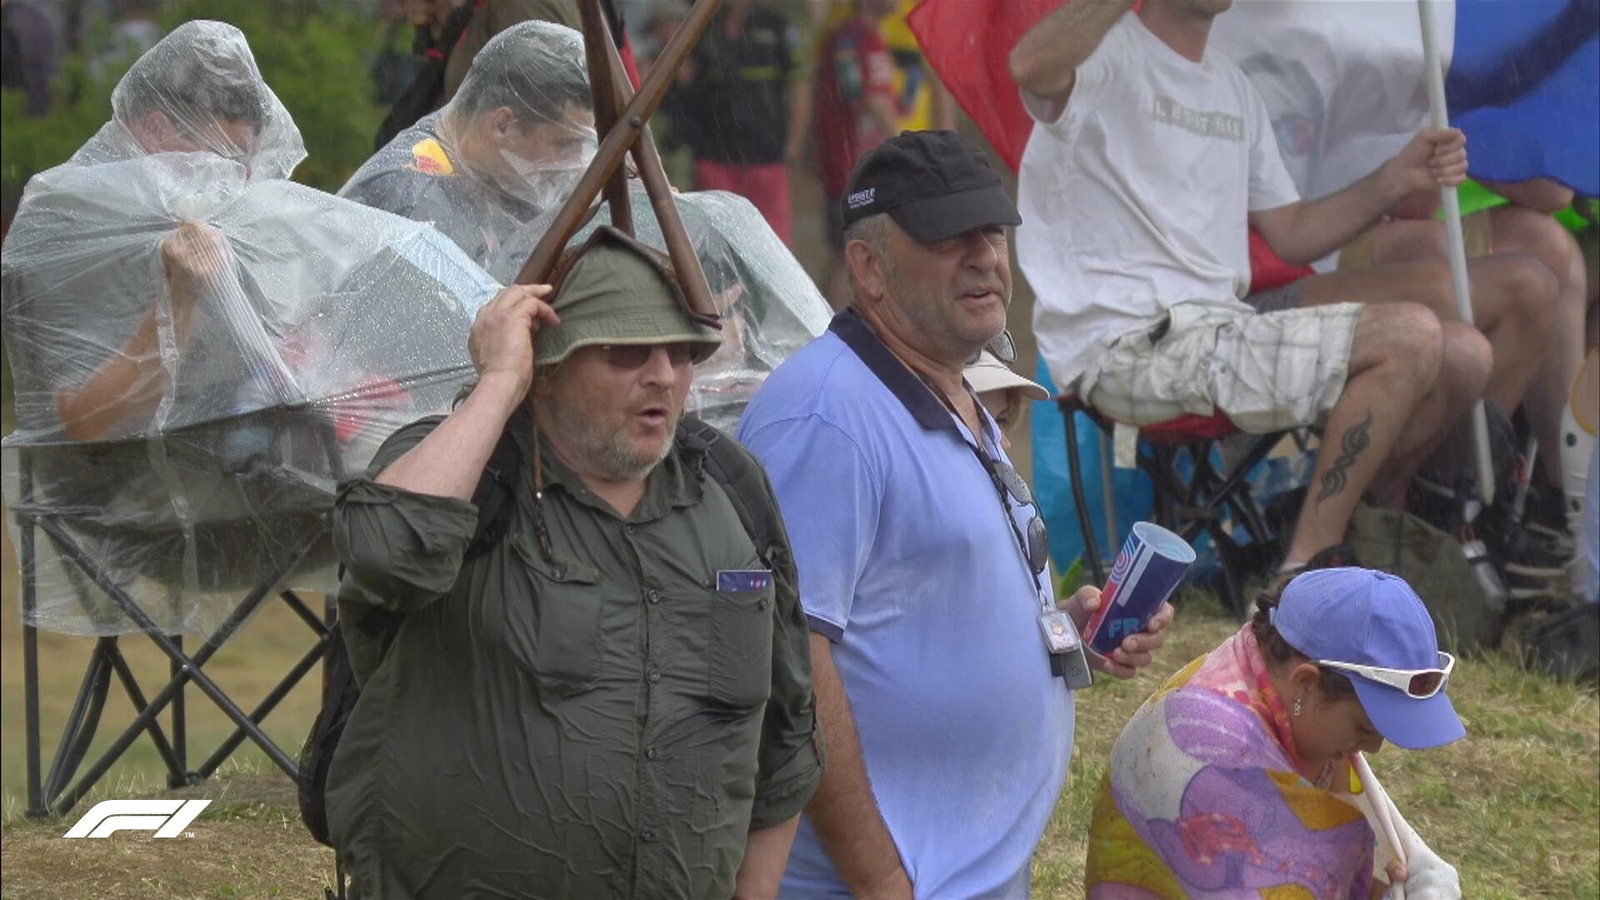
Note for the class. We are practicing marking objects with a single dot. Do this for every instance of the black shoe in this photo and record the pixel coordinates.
(1517, 550)
(1525, 588)
(1545, 509)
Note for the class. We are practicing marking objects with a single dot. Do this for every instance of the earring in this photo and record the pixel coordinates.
(1298, 704)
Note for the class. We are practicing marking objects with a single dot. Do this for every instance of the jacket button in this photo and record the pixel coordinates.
(653, 595)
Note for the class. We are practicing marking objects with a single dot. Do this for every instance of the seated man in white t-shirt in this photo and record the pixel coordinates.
(1149, 158)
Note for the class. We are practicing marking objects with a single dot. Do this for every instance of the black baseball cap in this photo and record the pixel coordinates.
(932, 183)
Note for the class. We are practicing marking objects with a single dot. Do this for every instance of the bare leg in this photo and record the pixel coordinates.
(1519, 230)
(1513, 297)
(1536, 274)
(1395, 361)
(1463, 375)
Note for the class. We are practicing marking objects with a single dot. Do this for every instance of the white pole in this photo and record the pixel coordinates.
(1383, 810)
(1439, 117)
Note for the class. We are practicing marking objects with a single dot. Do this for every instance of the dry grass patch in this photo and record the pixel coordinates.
(248, 843)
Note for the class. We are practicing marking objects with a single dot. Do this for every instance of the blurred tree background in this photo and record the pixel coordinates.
(317, 55)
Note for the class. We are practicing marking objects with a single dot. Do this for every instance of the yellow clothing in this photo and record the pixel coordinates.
(428, 156)
(913, 79)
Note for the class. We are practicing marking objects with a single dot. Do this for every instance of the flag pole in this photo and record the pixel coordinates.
(1386, 814)
(1439, 117)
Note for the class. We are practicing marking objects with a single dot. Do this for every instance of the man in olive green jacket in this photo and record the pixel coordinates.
(614, 699)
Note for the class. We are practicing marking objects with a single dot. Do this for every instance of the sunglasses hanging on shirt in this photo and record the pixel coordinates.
(1061, 638)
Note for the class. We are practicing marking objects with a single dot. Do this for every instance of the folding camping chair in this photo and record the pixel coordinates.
(1193, 493)
(53, 509)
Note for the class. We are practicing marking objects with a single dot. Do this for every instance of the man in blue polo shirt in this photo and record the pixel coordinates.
(921, 555)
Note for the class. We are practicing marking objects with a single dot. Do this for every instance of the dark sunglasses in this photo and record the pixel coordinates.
(632, 357)
(1418, 684)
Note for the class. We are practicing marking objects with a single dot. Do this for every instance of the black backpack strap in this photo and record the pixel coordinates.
(496, 495)
(742, 479)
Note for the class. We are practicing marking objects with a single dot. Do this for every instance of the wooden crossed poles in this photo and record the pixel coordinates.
(621, 119)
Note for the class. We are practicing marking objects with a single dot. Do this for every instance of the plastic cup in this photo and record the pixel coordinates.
(1150, 565)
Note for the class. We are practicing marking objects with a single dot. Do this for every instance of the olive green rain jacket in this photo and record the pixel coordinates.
(606, 724)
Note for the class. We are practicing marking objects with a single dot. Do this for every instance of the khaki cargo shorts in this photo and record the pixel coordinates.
(1265, 371)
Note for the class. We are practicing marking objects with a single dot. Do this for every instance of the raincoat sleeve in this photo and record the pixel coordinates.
(791, 756)
(402, 549)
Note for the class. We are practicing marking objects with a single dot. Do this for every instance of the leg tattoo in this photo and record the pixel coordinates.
(1355, 440)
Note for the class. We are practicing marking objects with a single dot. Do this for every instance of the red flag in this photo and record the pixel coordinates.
(968, 43)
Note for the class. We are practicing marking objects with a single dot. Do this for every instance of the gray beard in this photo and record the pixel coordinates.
(609, 454)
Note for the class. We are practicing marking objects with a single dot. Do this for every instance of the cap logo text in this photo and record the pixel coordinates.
(860, 198)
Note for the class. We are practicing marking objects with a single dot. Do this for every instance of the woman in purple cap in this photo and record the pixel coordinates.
(1235, 777)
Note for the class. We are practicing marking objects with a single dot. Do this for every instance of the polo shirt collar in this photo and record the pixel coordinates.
(908, 387)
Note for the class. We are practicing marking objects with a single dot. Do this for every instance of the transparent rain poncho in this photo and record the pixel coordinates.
(770, 306)
(508, 148)
(201, 349)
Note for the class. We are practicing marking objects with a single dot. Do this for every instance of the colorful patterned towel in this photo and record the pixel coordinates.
(1205, 796)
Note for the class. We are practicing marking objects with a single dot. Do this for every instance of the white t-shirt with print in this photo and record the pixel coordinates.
(1136, 197)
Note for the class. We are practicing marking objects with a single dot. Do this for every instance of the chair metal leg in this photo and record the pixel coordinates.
(130, 685)
(1091, 549)
(178, 776)
(1212, 501)
(30, 678)
(78, 732)
(27, 567)
(186, 669)
(265, 707)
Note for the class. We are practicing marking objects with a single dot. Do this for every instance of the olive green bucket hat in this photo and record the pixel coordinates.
(615, 290)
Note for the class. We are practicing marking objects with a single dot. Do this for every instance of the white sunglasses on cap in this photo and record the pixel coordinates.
(1418, 684)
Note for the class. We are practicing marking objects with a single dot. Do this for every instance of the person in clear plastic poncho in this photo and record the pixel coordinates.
(507, 148)
(202, 347)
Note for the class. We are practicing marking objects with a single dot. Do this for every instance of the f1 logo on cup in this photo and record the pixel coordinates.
(1121, 627)
(167, 818)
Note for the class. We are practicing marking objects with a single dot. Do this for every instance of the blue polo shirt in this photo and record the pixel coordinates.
(908, 566)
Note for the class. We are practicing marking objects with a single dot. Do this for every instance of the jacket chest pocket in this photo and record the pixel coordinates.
(563, 618)
(739, 646)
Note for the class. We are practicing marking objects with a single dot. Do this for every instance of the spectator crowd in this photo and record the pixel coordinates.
(604, 648)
